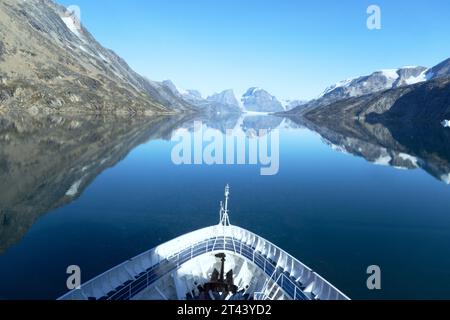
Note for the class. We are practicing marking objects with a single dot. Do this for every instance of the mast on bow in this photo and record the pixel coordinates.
(224, 217)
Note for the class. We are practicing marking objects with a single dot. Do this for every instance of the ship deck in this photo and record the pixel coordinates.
(282, 272)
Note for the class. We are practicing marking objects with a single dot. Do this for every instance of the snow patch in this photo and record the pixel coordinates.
(73, 190)
(383, 161)
(340, 149)
(252, 91)
(257, 89)
(85, 50)
(409, 158)
(340, 84)
(390, 73)
(285, 104)
(420, 78)
(73, 25)
(446, 178)
(180, 90)
(104, 161)
(103, 57)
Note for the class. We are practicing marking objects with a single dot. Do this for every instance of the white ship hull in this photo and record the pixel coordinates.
(179, 270)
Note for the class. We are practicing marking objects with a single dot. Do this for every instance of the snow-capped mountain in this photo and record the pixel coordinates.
(259, 100)
(254, 100)
(226, 97)
(377, 81)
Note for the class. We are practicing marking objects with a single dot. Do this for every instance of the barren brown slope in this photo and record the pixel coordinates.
(45, 67)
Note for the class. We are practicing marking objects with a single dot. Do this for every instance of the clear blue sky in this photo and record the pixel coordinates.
(292, 48)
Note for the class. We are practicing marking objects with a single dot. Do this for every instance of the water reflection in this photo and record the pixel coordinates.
(405, 145)
(46, 162)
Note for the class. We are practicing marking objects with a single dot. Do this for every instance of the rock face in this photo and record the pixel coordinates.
(439, 71)
(259, 100)
(226, 97)
(51, 63)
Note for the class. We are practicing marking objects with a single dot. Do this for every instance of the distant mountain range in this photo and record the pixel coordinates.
(259, 100)
(254, 100)
(405, 93)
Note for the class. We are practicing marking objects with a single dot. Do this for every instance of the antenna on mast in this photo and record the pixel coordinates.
(224, 218)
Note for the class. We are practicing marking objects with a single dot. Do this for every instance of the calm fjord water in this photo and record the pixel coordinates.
(334, 211)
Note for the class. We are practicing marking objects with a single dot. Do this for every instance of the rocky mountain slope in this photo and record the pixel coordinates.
(428, 101)
(375, 83)
(439, 71)
(50, 63)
